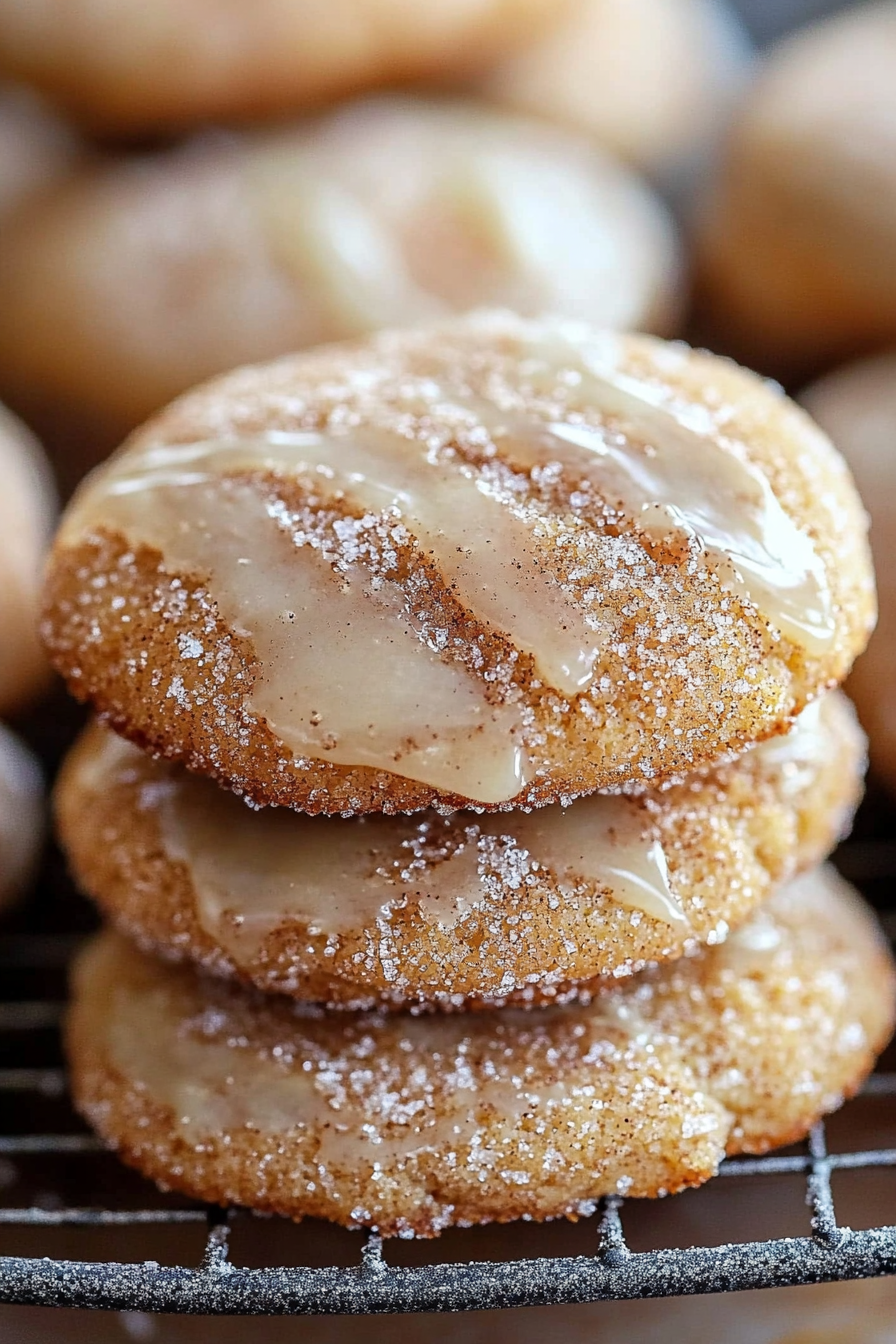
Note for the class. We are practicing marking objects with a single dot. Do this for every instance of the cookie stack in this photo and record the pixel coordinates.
(529, 632)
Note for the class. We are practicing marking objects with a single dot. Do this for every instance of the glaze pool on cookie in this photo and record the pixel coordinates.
(457, 910)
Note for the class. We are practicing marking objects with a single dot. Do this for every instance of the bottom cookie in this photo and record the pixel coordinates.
(411, 1124)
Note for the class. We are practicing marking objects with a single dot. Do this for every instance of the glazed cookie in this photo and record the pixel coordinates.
(648, 79)
(492, 562)
(21, 815)
(411, 1124)
(857, 407)
(799, 235)
(127, 66)
(449, 910)
(27, 511)
(129, 285)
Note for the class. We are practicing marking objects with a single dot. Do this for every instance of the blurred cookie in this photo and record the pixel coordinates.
(413, 1124)
(27, 510)
(648, 79)
(857, 407)
(490, 562)
(21, 815)
(36, 147)
(132, 283)
(798, 237)
(352, 911)
(125, 67)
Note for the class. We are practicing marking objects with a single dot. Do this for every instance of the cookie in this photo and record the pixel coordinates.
(857, 406)
(648, 79)
(21, 815)
(130, 284)
(36, 148)
(27, 513)
(123, 66)
(457, 910)
(492, 562)
(798, 235)
(411, 1124)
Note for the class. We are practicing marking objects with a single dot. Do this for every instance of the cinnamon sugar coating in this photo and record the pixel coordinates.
(684, 666)
(460, 912)
(414, 1124)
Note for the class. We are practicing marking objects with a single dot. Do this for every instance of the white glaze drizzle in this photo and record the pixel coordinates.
(346, 671)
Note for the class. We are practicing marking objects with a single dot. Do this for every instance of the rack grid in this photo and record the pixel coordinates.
(32, 1084)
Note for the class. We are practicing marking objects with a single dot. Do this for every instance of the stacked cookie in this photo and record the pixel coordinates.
(530, 633)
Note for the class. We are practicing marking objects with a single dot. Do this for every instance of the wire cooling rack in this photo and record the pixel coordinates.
(54, 1177)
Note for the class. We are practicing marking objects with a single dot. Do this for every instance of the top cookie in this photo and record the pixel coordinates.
(490, 563)
(129, 65)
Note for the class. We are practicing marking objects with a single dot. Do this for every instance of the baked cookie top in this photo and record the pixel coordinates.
(451, 911)
(413, 1124)
(492, 562)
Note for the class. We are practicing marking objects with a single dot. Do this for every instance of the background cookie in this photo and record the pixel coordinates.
(135, 281)
(857, 407)
(798, 238)
(412, 1124)
(27, 511)
(491, 561)
(36, 148)
(355, 910)
(649, 79)
(123, 65)
(21, 815)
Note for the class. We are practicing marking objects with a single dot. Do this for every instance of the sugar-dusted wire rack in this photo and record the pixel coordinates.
(39, 1133)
